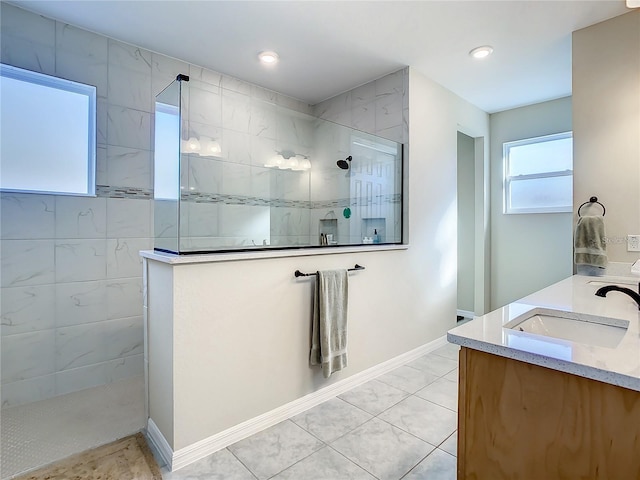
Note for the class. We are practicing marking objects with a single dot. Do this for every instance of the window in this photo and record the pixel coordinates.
(166, 177)
(48, 134)
(538, 174)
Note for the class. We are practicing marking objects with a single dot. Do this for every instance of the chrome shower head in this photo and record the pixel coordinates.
(344, 164)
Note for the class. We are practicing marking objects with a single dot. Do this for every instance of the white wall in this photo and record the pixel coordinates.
(606, 131)
(466, 222)
(528, 251)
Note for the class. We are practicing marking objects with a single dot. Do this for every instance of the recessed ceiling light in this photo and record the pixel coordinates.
(268, 58)
(481, 52)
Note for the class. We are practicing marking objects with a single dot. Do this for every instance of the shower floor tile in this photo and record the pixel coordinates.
(40, 433)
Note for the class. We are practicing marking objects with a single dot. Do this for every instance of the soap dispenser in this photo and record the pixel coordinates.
(376, 237)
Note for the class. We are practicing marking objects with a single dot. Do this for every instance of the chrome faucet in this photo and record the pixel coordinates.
(602, 292)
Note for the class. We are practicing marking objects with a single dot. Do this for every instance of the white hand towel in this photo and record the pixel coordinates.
(329, 327)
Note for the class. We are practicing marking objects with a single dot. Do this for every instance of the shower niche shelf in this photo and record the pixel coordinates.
(329, 228)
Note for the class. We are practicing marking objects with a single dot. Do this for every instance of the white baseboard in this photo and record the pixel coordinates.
(466, 313)
(159, 443)
(196, 451)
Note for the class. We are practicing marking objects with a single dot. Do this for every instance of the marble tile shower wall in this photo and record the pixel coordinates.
(71, 305)
(226, 195)
(380, 108)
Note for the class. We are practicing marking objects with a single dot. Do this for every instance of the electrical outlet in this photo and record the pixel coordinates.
(633, 243)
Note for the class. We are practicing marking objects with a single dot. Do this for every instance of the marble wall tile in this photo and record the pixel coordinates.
(204, 79)
(28, 355)
(27, 391)
(203, 219)
(236, 111)
(262, 119)
(80, 302)
(290, 185)
(289, 221)
(27, 309)
(164, 71)
(129, 167)
(121, 368)
(128, 218)
(102, 120)
(249, 222)
(294, 132)
(261, 182)
(261, 150)
(27, 216)
(82, 56)
(28, 40)
(200, 130)
(80, 217)
(390, 84)
(236, 179)
(205, 174)
(123, 337)
(205, 107)
(79, 260)
(235, 85)
(293, 104)
(129, 88)
(363, 94)
(124, 298)
(123, 256)
(388, 111)
(79, 378)
(27, 262)
(128, 128)
(336, 109)
(79, 345)
(237, 146)
(397, 133)
(363, 117)
(129, 56)
(263, 95)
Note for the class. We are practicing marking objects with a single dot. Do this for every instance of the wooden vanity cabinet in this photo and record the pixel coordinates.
(522, 421)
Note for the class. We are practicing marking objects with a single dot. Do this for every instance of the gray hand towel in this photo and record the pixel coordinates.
(329, 327)
(589, 242)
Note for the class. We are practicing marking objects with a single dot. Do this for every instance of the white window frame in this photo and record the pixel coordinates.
(508, 180)
(88, 185)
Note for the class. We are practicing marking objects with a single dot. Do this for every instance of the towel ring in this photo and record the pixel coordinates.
(591, 201)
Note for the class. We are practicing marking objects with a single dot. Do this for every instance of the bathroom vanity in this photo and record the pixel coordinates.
(549, 386)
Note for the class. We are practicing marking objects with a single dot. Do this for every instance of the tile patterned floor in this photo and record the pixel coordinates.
(401, 425)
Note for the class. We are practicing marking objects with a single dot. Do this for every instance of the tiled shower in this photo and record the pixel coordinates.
(71, 304)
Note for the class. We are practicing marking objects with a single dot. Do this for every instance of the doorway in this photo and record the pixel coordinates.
(474, 242)
(466, 227)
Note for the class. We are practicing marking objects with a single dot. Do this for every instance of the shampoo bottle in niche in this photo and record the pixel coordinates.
(376, 237)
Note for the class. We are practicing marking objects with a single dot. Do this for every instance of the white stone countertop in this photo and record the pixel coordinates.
(617, 365)
(174, 259)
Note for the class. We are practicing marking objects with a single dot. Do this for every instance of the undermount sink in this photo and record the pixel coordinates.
(576, 327)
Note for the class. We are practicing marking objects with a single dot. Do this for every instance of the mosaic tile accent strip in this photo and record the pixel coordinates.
(109, 191)
(199, 197)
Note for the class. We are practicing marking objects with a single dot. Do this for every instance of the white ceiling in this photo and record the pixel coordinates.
(328, 47)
